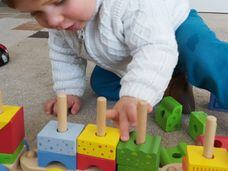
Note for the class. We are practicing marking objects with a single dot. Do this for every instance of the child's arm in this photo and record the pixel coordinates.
(68, 71)
(150, 35)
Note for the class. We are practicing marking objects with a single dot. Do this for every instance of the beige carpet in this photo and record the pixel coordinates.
(26, 81)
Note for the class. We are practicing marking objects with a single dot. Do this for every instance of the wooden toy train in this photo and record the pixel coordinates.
(79, 147)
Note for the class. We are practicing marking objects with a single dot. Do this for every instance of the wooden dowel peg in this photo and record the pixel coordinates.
(1, 102)
(62, 112)
(210, 132)
(141, 122)
(101, 116)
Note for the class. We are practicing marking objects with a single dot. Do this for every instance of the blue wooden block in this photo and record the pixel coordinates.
(3, 168)
(45, 158)
(50, 140)
(214, 105)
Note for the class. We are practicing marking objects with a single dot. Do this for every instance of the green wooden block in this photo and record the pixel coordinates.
(197, 124)
(168, 114)
(144, 156)
(127, 168)
(10, 158)
(173, 154)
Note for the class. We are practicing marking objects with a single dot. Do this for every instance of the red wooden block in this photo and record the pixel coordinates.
(220, 141)
(184, 164)
(13, 133)
(85, 162)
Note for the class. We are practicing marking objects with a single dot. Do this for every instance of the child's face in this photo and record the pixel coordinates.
(60, 14)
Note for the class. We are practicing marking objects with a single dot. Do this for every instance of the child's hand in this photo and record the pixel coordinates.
(73, 103)
(124, 114)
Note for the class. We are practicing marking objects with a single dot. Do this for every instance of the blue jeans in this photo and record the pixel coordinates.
(203, 58)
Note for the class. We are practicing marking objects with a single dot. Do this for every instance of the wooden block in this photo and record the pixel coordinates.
(196, 161)
(8, 113)
(3, 168)
(29, 162)
(197, 124)
(16, 165)
(219, 142)
(172, 167)
(85, 161)
(129, 168)
(50, 140)
(103, 147)
(11, 158)
(168, 114)
(172, 154)
(45, 158)
(11, 128)
(142, 157)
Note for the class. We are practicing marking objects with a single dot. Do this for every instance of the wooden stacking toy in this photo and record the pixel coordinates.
(11, 133)
(220, 141)
(206, 158)
(97, 143)
(142, 151)
(57, 140)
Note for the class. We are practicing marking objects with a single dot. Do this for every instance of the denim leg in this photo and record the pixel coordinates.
(105, 83)
(203, 57)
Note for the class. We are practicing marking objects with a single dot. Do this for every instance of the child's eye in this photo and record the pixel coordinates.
(59, 2)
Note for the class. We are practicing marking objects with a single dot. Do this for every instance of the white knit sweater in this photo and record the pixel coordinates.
(133, 38)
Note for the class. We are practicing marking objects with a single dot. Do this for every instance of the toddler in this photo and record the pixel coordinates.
(137, 46)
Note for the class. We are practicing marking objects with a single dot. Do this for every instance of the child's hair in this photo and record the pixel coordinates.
(10, 3)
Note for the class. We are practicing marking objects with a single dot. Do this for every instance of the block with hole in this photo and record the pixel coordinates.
(28, 162)
(219, 142)
(86, 161)
(142, 151)
(172, 154)
(197, 123)
(172, 167)
(206, 157)
(97, 143)
(168, 114)
(11, 127)
(146, 156)
(57, 140)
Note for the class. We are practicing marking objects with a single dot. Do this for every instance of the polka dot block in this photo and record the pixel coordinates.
(50, 140)
(104, 147)
(140, 157)
(196, 161)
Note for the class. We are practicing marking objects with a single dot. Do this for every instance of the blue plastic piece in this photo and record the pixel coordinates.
(3, 168)
(50, 140)
(214, 105)
(45, 158)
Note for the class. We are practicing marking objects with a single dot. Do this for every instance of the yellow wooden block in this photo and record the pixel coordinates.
(7, 115)
(196, 160)
(103, 147)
